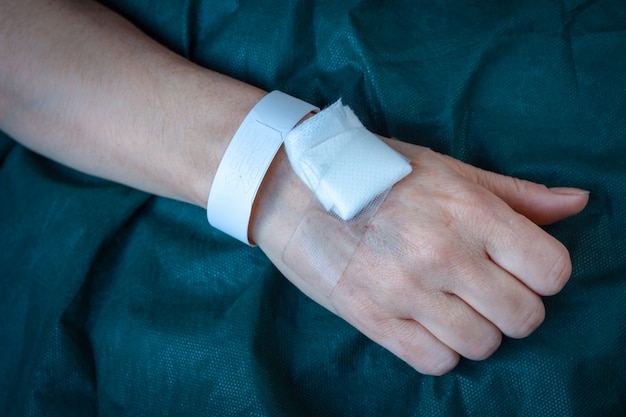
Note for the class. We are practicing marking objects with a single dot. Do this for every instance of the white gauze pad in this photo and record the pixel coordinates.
(350, 171)
(341, 162)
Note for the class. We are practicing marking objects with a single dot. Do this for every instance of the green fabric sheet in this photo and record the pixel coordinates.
(117, 303)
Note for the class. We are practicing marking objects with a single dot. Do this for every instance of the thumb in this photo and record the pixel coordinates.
(537, 202)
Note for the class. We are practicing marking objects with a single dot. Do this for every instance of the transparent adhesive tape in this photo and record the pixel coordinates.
(323, 244)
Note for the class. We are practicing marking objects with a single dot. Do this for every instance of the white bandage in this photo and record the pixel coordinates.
(247, 159)
(341, 162)
(350, 171)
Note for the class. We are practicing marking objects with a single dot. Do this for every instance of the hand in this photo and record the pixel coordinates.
(452, 259)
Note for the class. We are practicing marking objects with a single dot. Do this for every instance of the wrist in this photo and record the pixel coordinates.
(247, 159)
(280, 204)
(279, 209)
(281, 200)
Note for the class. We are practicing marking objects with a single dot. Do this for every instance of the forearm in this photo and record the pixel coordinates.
(85, 87)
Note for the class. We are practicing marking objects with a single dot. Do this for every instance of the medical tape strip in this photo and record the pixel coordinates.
(323, 244)
(247, 159)
(350, 171)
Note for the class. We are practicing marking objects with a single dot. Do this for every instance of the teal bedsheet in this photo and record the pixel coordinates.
(117, 303)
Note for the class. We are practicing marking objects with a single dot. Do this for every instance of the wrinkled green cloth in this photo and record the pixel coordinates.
(116, 303)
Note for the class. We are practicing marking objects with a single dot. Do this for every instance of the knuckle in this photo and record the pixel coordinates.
(439, 363)
(559, 273)
(364, 310)
(413, 344)
(527, 319)
(486, 213)
(485, 346)
(355, 304)
(478, 200)
(439, 254)
(436, 258)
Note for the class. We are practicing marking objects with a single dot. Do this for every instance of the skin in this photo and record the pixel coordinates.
(452, 260)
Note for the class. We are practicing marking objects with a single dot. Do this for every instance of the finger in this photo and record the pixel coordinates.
(524, 250)
(451, 320)
(540, 204)
(394, 330)
(413, 343)
(500, 298)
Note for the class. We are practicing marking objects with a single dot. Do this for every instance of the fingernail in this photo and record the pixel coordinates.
(569, 191)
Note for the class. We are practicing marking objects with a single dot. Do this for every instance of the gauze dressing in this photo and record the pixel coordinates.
(350, 171)
(341, 162)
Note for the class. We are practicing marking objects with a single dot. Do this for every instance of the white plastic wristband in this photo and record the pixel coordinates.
(247, 159)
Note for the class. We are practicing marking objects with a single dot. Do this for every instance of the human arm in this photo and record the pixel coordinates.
(86, 88)
(171, 121)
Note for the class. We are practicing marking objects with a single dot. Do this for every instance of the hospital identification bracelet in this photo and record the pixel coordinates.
(247, 159)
